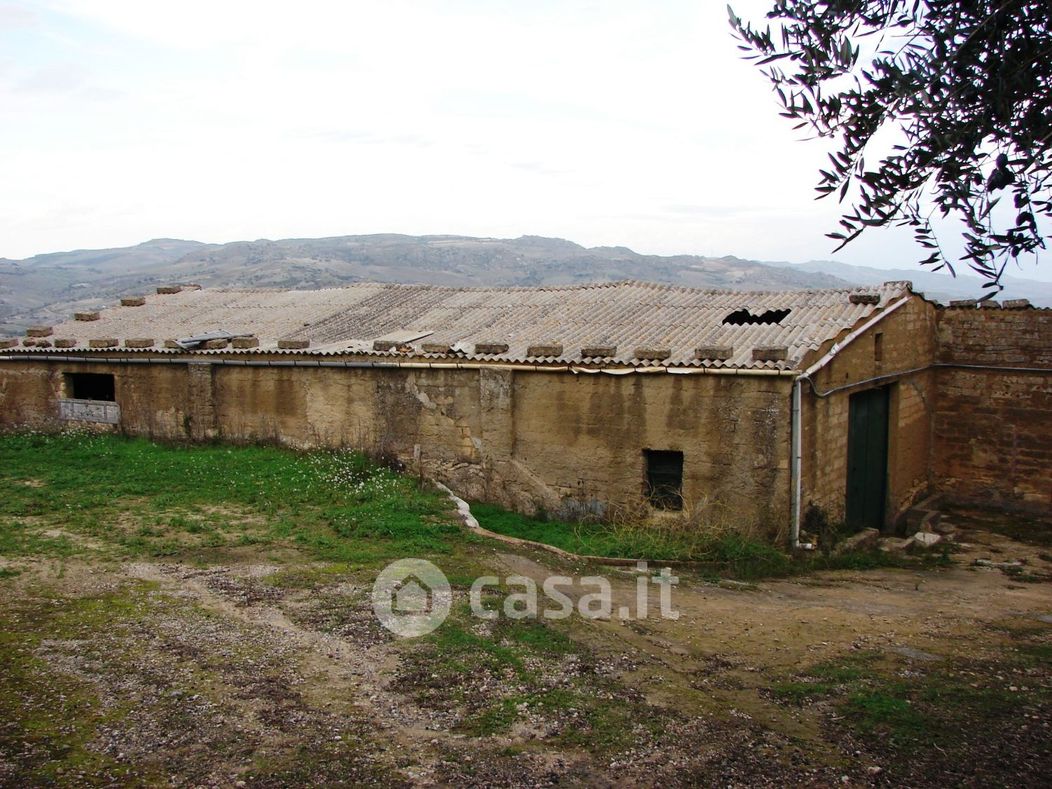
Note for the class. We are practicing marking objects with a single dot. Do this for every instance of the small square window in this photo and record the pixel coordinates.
(91, 386)
(664, 478)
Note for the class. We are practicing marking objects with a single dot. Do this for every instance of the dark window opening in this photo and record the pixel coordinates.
(743, 317)
(664, 480)
(878, 347)
(90, 386)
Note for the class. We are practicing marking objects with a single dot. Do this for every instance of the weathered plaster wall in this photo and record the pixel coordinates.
(906, 342)
(993, 429)
(554, 441)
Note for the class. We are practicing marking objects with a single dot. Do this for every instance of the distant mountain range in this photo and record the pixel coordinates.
(47, 288)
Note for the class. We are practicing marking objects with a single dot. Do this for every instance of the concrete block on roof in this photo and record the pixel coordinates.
(963, 303)
(245, 342)
(383, 345)
(43, 343)
(215, 345)
(8, 342)
(172, 344)
(39, 331)
(490, 348)
(864, 298)
(167, 290)
(103, 342)
(774, 354)
(714, 353)
(435, 347)
(1016, 304)
(293, 345)
(85, 316)
(599, 351)
(65, 342)
(133, 301)
(652, 353)
(139, 342)
(551, 349)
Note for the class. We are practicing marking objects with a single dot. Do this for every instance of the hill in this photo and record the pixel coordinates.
(48, 288)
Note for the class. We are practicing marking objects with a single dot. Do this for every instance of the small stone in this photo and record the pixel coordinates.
(925, 540)
(865, 540)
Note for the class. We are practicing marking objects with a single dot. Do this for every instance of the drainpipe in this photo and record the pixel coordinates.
(794, 471)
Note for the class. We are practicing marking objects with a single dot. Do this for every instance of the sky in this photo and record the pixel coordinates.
(612, 122)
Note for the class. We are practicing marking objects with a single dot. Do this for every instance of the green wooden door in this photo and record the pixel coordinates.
(867, 458)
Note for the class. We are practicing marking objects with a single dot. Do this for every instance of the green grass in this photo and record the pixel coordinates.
(721, 554)
(589, 712)
(131, 497)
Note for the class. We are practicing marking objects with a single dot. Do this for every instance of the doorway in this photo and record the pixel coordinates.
(867, 459)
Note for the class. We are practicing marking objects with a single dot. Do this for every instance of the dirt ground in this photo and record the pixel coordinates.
(260, 669)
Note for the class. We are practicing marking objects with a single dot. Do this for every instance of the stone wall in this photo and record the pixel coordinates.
(560, 442)
(900, 343)
(993, 427)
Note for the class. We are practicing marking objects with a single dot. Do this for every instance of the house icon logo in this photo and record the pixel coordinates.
(411, 597)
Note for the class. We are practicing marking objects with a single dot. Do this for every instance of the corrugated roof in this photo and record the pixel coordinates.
(629, 315)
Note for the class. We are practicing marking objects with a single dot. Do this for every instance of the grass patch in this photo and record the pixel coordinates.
(504, 672)
(724, 553)
(131, 497)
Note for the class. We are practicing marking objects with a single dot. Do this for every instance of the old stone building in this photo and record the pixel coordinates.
(578, 399)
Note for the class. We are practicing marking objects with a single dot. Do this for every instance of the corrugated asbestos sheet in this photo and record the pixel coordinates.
(628, 323)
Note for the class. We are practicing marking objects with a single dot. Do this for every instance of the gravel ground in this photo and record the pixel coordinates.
(265, 672)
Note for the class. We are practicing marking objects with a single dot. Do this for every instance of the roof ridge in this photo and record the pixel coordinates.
(647, 284)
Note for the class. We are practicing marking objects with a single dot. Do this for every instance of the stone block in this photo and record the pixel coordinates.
(490, 348)
(1016, 304)
(103, 342)
(864, 298)
(435, 347)
(139, 342)
(133, 301)
(552, 349)
(293, 345)
(85, 316)
(865, 540)
(599, 351)
(714, 353)
(652, 353)
(65, 342)
(245, 342)
(777, 354)
(39, 331)
(215, 345)
(8, 342)
(167, 290)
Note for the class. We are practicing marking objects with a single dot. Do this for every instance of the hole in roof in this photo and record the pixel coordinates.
(743, 317)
